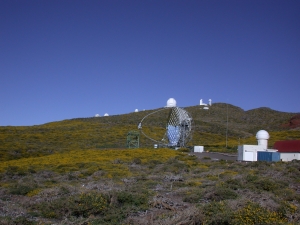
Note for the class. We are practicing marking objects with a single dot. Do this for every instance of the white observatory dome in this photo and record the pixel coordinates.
(136, 110)
(171, 102)
(262, 135)
(106, 114)
(97, 115)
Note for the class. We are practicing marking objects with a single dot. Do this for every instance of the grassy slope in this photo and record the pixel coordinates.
(110, 132)
(55, 174)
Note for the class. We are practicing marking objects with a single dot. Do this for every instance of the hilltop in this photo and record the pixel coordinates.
(210, 127)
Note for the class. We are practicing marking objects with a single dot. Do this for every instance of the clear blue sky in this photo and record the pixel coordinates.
(63, 59)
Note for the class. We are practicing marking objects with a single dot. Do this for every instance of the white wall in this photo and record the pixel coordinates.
(289, 156)
(198, 148)
(249, 152)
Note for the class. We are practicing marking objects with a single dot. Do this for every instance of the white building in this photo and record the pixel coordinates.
(171, 102)
(201, 102)
(198, 148)
(288, 149)
(289, 156)
(249, 152)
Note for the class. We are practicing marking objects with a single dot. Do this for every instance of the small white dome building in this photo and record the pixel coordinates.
(97, 115)
(106, 114)
(171, 102)
(262, 137)
(136, 110)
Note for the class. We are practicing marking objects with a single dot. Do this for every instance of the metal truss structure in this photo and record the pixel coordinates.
(133, 139)
(178, 128)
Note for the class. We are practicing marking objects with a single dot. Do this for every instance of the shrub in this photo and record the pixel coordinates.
(253, 213)
(87, 204)
(287, 209)
(173, 165)
(220, 193)
(21, 189)
(83, 205)
(132, 199)
(217, 213)
(234, 184)
(33, 192)
(137, 161)
(23, 220)
(185, 150)
(15, 170)
(193, 196)
(266, 184)
(53, 209)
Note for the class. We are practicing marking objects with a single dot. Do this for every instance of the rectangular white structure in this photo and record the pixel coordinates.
(249, 152)
(289, 156)
(198, 148)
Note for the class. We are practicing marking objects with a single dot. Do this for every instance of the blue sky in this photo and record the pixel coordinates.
(64, 59)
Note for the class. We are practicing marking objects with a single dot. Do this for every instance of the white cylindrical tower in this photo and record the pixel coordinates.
(171, 102)
(209, 102)
(202, 103)
(262, 137)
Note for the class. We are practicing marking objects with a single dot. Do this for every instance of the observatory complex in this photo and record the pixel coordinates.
(205, 106)
(283, 150)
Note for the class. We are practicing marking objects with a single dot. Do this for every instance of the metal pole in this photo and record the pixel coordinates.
(227, 125)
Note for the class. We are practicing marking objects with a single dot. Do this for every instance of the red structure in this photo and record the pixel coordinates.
(287, 146)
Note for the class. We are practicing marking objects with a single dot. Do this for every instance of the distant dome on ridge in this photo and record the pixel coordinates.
(171, 102)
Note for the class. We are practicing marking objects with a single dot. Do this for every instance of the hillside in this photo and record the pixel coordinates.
(147, 186)
(110, 132)
(78, 171)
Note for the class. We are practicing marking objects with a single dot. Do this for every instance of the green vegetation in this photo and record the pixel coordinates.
(79, 172)
(111, 132)
(139, 186)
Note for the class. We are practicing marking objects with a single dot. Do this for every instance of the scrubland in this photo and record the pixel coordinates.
(147, 186)
(78, 171)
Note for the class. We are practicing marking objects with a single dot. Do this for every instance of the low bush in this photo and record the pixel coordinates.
(21, 189)
(82, 205)
(193, 196)
(87, 204)
(217, 213)
(253, 213)
(219, 193)
(139, 200)
(233, 184)
(137, 161)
